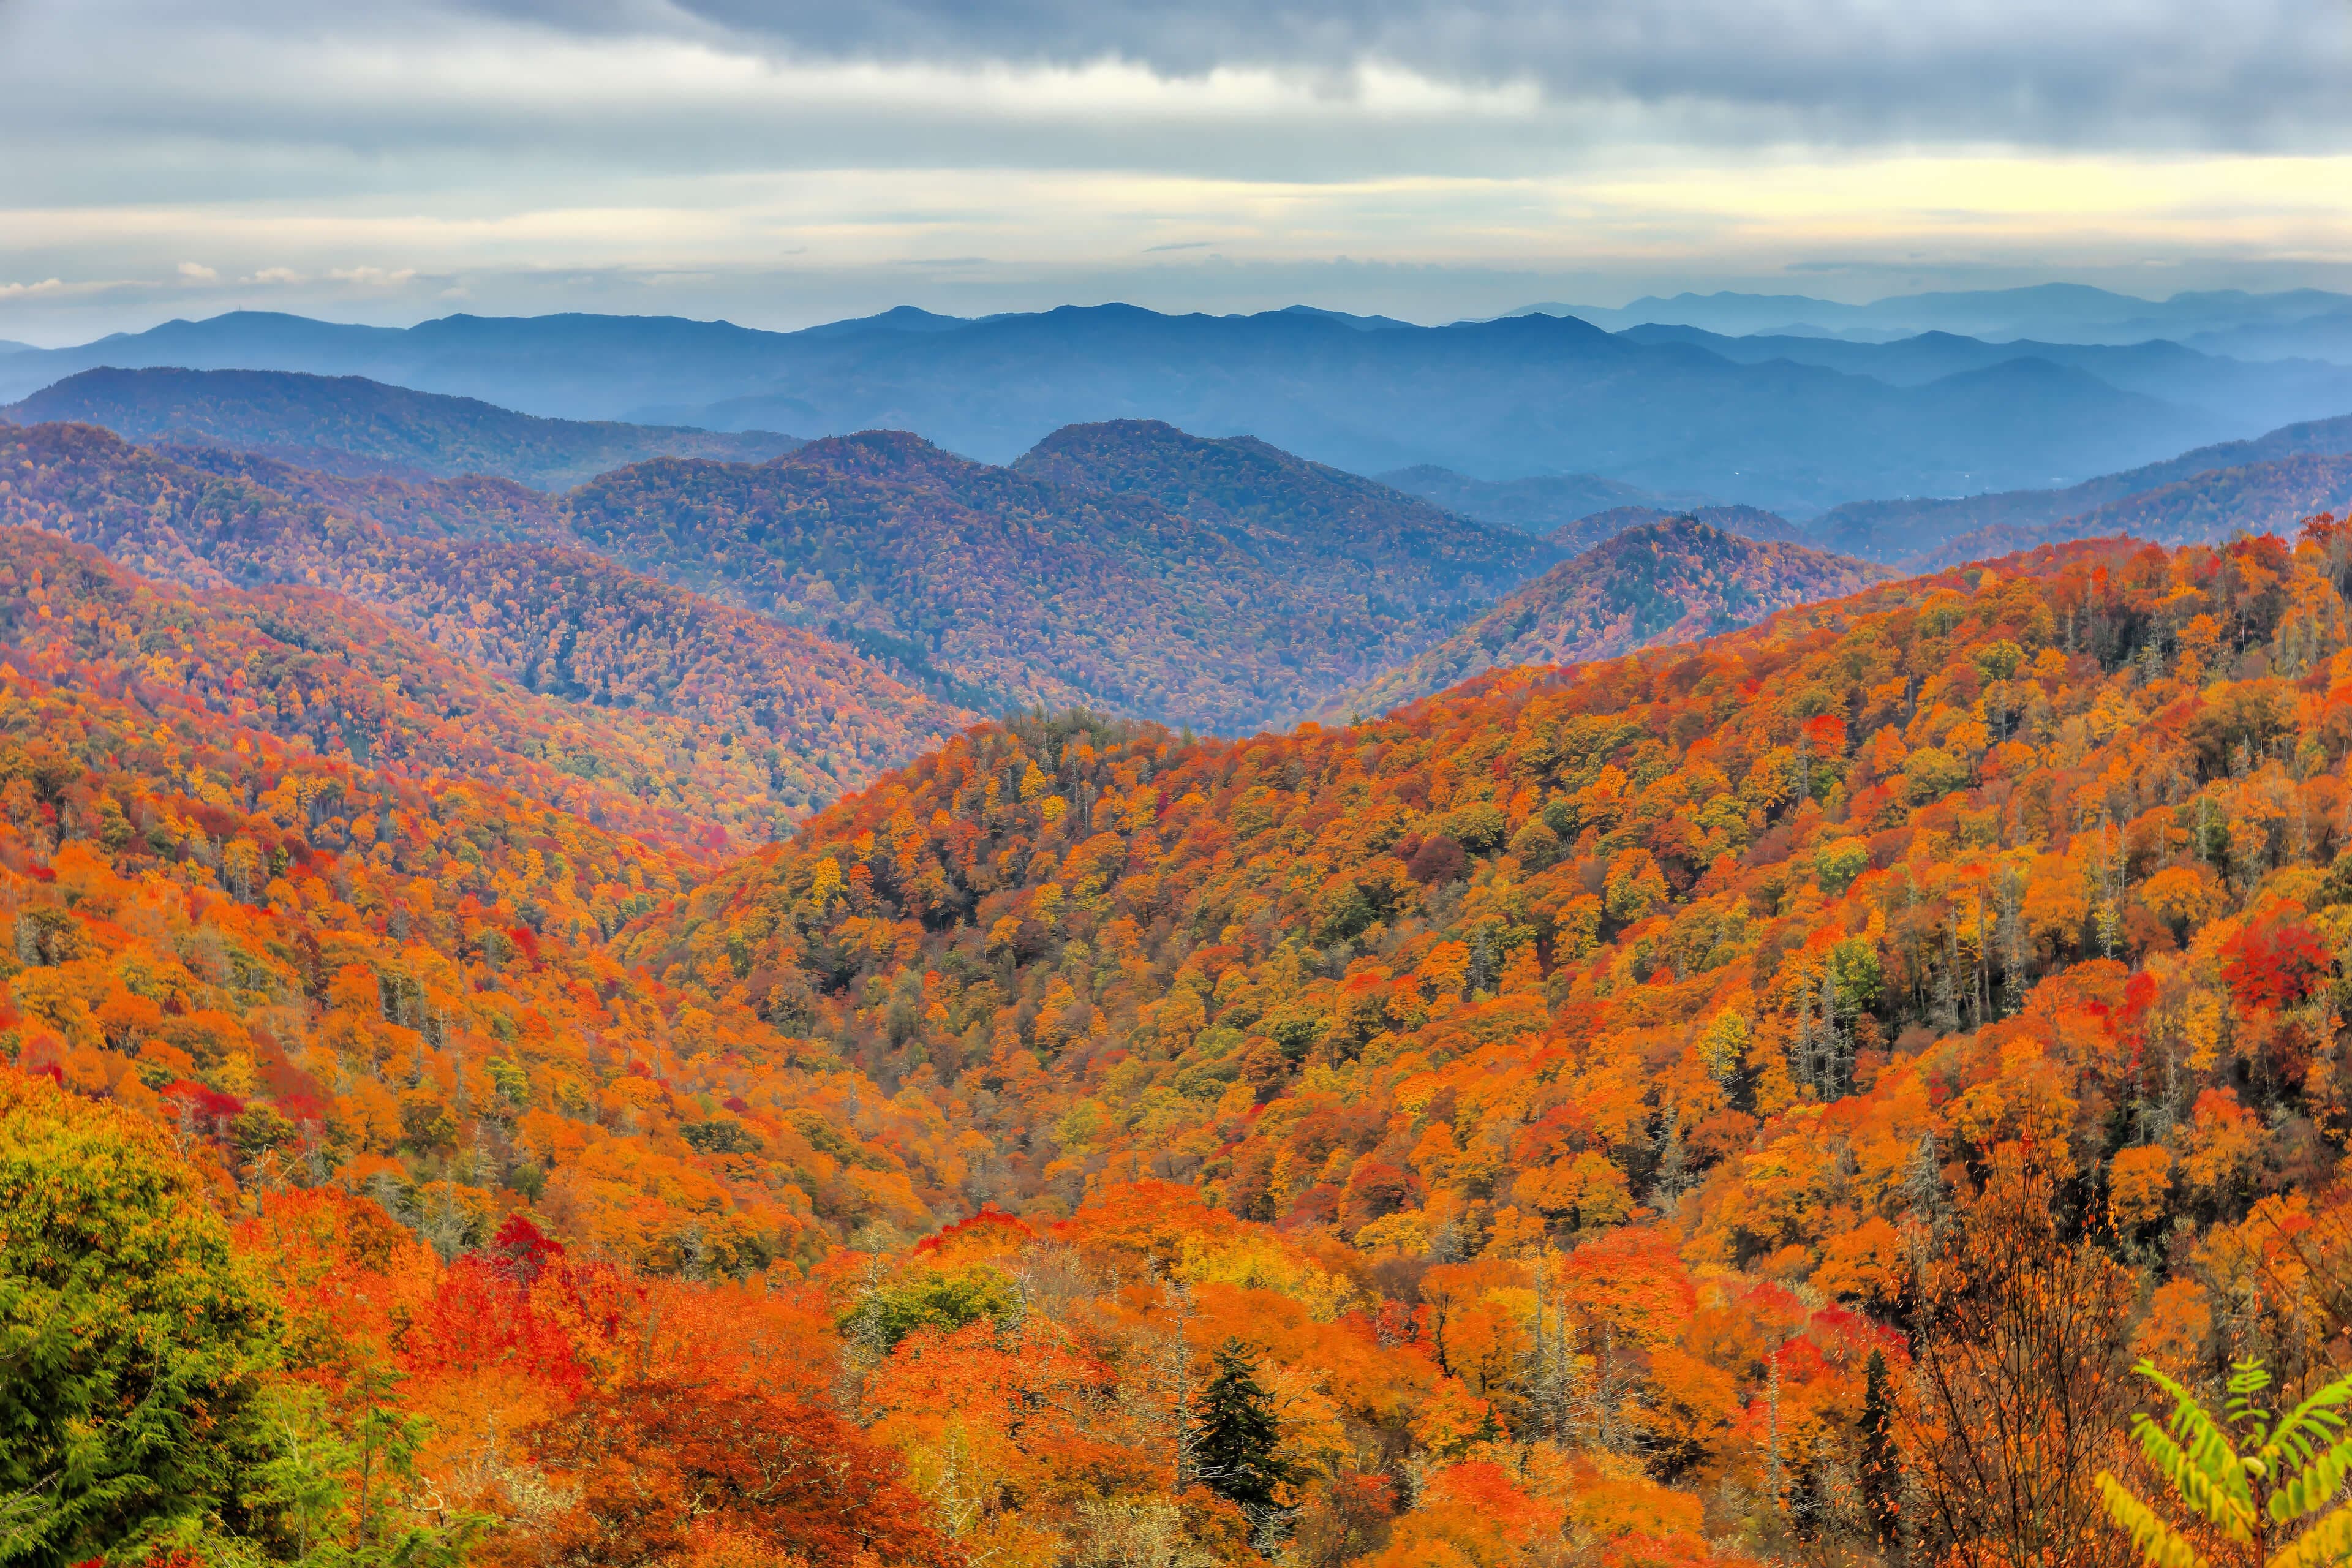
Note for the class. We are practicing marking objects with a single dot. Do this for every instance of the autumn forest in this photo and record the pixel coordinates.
(552, 1030)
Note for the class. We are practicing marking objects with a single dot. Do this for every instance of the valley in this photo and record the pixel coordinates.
(960, 992)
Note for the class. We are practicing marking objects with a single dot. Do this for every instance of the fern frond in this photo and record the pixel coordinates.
(2159, 1545)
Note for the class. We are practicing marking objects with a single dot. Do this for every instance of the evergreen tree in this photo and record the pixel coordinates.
(1235, 1432)
(131, 1344)
(1881, 1478)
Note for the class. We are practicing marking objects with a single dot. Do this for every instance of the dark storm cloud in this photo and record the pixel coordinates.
(2251, 74)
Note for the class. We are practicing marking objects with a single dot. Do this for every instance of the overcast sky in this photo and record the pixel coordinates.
(784, 163)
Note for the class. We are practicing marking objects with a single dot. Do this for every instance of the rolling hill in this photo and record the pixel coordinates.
(798, 718)
(1299, 520)
(1673, 581)
(343, 681)
(1029, 590)
(351, 426)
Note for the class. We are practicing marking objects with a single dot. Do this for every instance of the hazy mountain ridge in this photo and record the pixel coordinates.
(1495, 398)
(474, 507)
(367, 428)
(1301, 520)
(1537, 504)
(1915, 528)
(2210, 508)
(2274, 394)
(2067, 313)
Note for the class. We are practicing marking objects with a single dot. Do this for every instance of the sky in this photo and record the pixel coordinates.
(778, 165)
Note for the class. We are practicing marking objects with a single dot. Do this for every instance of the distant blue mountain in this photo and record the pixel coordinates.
(2051, 312)
(353, 426)
(1495, 400)
(2263, 396)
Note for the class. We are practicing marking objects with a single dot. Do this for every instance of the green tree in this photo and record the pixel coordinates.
(1235, 1432)
(132, 1345)
(332, 1486)
(2271, 1496)
(924, 1298)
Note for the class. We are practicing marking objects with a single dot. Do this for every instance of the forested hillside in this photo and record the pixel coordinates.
(798, 719)
(1670, 580)
(323, 673)
(2257, 497)
(1308, 524)
(1026, 591)
(352, 425)
(471, 507)
(1743, 1101)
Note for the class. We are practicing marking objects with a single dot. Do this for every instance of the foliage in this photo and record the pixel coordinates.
(767, 718)
(132, 1345)
(664, 1471)
(2271, 1495)
(1648, 585)
(1626, 1110)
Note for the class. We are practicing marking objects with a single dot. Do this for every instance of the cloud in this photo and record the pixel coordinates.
(197, 272)
(776, 162)
(372, 276)
(2206, 73)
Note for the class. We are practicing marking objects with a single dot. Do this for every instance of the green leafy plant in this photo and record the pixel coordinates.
(2256, 1490)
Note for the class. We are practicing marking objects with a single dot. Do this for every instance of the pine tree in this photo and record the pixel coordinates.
(1880, 1474)
(1235, 1432)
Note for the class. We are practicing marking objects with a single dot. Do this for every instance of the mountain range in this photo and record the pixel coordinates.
(1498, 400)
(1127, 564)
(352, 425)
(539, 1024)
(2060, 313)
(2269, 394)
(1918, 527)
